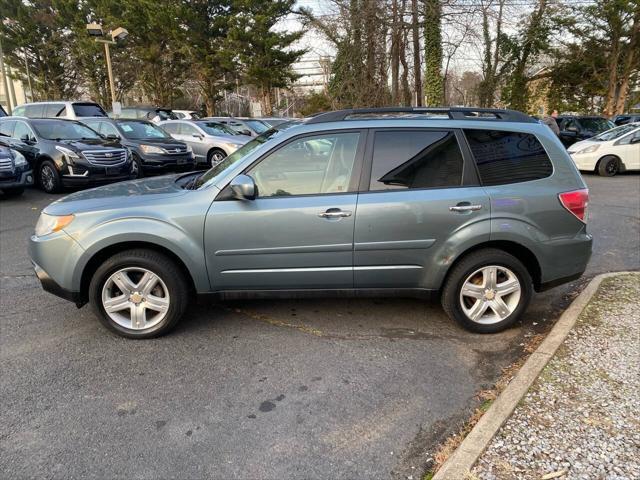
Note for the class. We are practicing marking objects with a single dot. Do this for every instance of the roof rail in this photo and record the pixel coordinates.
(454, 113)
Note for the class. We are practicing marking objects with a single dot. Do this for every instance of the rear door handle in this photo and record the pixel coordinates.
(465, 208)
(334, 213)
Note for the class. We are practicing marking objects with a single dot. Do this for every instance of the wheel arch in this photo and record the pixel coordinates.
(522, 253)
(101, 255)
(610, 155)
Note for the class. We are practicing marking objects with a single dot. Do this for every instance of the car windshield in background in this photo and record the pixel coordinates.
(615, 133)
(63, 130)
(596, 124)
(242, 152)
(257, 125)
(166, 115)
(140, 130)
(214, 128)
(88, 110)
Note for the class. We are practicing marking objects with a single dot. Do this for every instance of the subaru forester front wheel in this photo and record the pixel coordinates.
(487, 291)
(139, 293)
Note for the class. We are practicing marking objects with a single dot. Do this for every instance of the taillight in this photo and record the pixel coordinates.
(576, 202)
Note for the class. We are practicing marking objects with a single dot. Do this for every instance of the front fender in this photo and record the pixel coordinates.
(146, 230)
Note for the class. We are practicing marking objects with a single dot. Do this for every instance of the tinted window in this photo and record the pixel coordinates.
(415, 159)
(52, 110)
(596, 124)
(508, 157)
(310, 165)
(6, 128)
(34, 111)
(88, 110)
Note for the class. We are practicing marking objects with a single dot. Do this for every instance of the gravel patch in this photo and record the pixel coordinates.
(581, 419)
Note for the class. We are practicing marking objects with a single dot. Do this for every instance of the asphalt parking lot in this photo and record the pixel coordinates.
(332, 388)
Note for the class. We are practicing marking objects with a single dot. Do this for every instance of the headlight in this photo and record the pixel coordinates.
(589, 149)
(189, 149)
(233, 146)
(152, 149)
(51, 223)
(19, 159)
(70, 154)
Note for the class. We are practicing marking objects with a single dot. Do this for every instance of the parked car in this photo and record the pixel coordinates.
(66, 153)
(478, 210)
(210, 141)
(245, 126)
(574, 128)
(153, 114)
(186, 114)
(70, 110)
(626, 118)
(15, 171)
(273, 121)
(613, 151)
(152, 149)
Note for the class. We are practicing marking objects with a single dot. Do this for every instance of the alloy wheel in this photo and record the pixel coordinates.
(216, 158)
(47, 178)
(135, 298)
(490, 294)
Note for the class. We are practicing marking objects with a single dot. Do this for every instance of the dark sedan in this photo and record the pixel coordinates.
(65, 153)
(152, 149)
(15, 171)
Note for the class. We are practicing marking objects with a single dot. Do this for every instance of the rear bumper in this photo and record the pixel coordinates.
(564, 261)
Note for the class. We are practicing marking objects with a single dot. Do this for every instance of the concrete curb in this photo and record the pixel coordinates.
(459, 464)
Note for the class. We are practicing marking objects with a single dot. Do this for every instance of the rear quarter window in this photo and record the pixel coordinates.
(508, 157)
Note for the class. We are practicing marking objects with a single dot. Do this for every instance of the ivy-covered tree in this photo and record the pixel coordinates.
(433, 79)
(266, 54)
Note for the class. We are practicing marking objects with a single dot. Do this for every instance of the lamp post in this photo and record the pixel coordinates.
(95, 30)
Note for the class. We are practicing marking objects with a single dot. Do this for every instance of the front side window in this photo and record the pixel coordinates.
(19, 111)
(171, 128)
(307, 166)
(615, 133)
(22, 131)
(405, 159)
(508, 157)
(186, 129)
(215, 128)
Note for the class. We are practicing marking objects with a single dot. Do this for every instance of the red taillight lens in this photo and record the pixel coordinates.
(576, 202)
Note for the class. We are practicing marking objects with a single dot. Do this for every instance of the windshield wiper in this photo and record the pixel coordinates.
(193, 183)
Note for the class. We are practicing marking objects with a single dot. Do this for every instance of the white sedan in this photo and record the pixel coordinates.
(613, 151)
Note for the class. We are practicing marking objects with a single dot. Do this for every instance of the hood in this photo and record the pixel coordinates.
(90, 144)
(132, 193)
(581, 144)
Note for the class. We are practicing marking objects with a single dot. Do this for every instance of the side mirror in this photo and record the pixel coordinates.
(26, 138)
(112, 136)
(243, 187)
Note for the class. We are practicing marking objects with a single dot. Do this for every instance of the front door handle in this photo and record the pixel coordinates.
(465, 208)
(335, 213)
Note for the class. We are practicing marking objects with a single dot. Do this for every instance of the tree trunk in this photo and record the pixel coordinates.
(404, 79)
(630, 60)
(417, 76)
(433, 84)
(395, 53)
(267, 109)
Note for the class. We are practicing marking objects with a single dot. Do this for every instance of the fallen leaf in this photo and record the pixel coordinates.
(557, 474)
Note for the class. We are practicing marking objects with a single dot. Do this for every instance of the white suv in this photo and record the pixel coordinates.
(70, 110)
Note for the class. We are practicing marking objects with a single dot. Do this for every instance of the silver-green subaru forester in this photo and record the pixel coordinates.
(480, 207)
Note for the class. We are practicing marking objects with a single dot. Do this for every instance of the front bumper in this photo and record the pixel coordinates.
(585, 161)
(158, 162)
(54, 258)
(85, 174)
(18, 180)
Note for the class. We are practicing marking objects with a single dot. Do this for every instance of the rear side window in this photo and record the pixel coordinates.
(88, 110)
(34, 111)
(404, 159)
(52, 110)
(508, 157)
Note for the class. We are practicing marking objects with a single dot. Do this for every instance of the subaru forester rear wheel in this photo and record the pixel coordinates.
(139, 293)
(487, 291)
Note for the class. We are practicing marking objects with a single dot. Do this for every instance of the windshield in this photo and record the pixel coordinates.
(141, 130)
(214, 128)
(63, 130)
(242, 152)
(257, 126)
(596, 124)
(615, 133)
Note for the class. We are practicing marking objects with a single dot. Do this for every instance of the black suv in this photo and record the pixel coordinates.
(152, 149)
(15, 171)
(625, 118)
(574, 128)
(65, 152)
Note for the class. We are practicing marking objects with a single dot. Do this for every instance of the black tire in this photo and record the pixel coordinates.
(161, 265)
(451, 300)
(608, 166)
(49, 178)
(215, 156)
(136, 167)
(13, 192)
